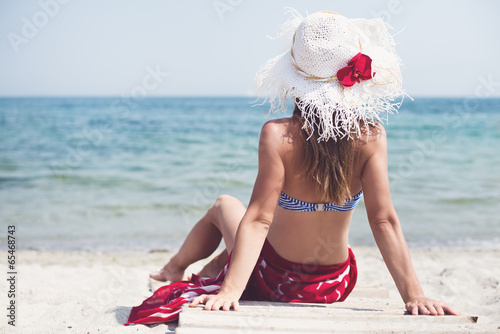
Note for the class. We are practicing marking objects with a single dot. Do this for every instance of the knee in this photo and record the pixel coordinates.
(224, 200)
(216, 211)
(223, 203)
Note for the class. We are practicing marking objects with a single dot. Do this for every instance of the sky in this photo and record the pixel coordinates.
(214, 47)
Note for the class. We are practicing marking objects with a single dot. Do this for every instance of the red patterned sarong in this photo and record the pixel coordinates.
(273, 279)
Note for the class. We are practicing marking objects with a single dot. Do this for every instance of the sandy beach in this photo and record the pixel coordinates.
(122, 122)
(85, 292)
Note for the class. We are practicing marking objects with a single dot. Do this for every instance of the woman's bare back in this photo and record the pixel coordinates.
(308, 237)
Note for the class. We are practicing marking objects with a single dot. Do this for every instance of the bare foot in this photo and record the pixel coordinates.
(168, 273)
(213, 268)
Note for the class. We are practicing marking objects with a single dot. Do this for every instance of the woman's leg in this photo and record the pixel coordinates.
(213, 268)
(220, 221)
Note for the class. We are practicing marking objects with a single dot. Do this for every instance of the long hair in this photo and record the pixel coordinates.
(328, 164)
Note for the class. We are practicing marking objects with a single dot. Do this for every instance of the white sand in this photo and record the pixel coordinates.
(69, 292)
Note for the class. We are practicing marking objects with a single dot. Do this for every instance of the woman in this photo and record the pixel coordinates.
(291, 243)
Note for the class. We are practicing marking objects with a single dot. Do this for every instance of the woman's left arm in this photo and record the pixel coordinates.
(254, 225)
(388, 234)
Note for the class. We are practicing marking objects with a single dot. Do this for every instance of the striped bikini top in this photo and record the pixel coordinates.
(290, 203)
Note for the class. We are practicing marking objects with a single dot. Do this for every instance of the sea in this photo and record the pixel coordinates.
(108, 174)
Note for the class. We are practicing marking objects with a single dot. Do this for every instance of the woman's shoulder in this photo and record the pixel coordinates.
(280, 135)
(372, 139)
(278, 129)
(373, 135)
(277, 124)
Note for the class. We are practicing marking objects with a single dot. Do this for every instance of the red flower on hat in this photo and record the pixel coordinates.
(358, 68)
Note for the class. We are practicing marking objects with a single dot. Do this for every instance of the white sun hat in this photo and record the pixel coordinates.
(344, 74)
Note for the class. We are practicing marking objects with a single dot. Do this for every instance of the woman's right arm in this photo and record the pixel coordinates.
(387, 231)
(255, 224)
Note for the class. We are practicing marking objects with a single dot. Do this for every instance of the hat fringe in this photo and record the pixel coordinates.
(288, 28)
(271, 86)
(265, 82)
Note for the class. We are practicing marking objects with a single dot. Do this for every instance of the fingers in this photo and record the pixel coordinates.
(214, 303)
(431, 309)
(424, 310)
(197, 300)
(226, 306)
(439, 310)
(427, 306)
(449, 310)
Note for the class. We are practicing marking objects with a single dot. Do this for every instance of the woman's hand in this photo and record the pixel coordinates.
(426, 306)
(215, 302)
